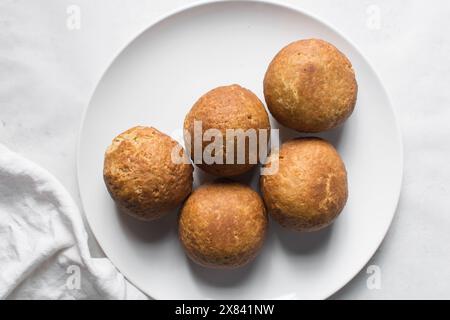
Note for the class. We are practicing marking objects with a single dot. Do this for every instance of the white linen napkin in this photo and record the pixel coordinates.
(43, 242)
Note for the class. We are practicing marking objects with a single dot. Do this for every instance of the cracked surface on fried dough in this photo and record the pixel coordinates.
(140, 175)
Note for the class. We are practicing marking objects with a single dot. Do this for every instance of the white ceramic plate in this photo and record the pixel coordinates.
(155, 80)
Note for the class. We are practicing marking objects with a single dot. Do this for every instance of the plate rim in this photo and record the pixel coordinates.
(297, 9)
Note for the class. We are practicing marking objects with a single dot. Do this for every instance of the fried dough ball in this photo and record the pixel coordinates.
(228, 107)
(309, 190)
(141, 176)
(223, 225)
(310, 86)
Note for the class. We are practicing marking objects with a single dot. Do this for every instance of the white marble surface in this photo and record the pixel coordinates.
(48, 72)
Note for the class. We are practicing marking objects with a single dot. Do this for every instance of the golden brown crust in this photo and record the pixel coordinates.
(140, 175)
(310, 188)
(227, 107)
(223, 225)
(310, 86)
